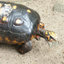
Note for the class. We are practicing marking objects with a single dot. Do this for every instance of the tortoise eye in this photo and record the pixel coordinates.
(18, 22)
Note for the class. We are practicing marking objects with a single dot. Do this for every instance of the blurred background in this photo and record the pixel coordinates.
(52, 15)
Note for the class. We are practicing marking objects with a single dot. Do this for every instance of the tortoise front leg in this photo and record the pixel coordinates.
(24, 48)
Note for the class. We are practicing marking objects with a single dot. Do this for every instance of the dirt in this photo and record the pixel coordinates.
(41, 52)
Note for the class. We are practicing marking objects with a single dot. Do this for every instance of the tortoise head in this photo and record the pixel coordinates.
(46, 34)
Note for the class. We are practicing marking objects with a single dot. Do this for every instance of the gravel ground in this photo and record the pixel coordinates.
(41, 52)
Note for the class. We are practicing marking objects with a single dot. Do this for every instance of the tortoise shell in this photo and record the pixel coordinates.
(17, 22)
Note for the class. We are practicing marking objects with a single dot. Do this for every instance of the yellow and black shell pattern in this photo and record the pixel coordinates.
(18, 23)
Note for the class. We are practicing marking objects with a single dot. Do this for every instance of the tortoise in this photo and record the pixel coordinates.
(20, 24)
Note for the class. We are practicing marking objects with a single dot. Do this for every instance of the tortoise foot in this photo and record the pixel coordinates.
(24, 48)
